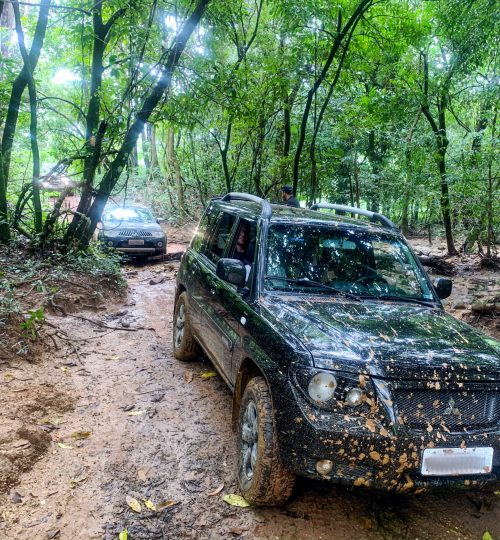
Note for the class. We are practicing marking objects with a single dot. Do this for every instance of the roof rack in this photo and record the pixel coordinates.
(374, 216)
(266, 211)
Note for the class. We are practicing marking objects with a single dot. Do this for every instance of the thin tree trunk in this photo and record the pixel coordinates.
(441, 139)
(35, 191)
(341, 34)
(174, 164)
(18, 87)
(94, 130)
(163, 83)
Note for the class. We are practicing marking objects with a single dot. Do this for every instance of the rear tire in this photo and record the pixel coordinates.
(185, 346)
(263, 479)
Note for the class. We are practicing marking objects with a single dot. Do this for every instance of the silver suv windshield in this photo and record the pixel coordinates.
(330, 260)
(128, 214)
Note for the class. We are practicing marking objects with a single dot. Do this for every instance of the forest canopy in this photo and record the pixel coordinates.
(389, 105)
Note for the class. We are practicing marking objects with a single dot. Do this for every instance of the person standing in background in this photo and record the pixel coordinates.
(288, 197)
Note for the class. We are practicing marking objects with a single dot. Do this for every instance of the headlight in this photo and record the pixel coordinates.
(336, 391)
(322, 386)
(354, 397)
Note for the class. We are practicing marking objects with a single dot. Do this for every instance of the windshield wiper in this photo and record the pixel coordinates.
(395, 298)
(312, 283)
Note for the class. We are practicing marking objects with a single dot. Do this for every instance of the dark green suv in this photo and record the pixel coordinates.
(343, 363)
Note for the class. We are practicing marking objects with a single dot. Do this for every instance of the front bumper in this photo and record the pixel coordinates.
(150, 246)
(367, 451)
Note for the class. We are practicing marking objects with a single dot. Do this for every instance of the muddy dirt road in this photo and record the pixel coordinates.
(128, 421)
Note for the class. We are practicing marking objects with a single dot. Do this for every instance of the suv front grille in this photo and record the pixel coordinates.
(133, 232)
(454, 409)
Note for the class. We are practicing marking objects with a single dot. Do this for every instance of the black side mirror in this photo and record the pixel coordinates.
(231, 270)
(443, 287)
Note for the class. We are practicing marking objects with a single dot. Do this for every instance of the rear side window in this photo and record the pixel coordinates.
(218, 242)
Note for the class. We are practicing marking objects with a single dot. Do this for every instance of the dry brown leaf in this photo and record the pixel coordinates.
(133, 503)
(166, 504)
(78, 435)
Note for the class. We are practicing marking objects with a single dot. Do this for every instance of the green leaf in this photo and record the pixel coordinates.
(236, 500)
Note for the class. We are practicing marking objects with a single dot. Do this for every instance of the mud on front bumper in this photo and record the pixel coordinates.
(366, 451)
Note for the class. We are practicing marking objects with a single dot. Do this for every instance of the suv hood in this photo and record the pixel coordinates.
(387, 339)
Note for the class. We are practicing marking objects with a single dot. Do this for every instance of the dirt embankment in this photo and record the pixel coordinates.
(116, 422)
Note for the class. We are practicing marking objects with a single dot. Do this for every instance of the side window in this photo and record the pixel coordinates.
(243, 247)
(202, 229)
(219, 240)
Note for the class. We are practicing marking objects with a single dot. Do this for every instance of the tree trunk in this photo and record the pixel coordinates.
(37, 207)
(441, 139)
(341, 34)
(174, 165)
(163, 83)
(146, 148)
(18, 88)
(94, 130)
(154, 153)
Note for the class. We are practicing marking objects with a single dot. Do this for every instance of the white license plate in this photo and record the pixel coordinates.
(136, 242)
(456, 461)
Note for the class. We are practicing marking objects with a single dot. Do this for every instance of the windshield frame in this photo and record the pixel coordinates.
(384, 235)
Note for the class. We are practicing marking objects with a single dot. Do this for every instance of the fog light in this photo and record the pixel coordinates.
(159, 244)
(322, 387)
(324, 466)
(354, 397)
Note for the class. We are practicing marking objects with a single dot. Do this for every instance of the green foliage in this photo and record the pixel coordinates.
(30, 324)
(245, 74)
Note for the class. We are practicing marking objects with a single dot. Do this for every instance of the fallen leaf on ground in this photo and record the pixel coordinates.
(166, 504)
(487, 536)
(208, 374)
(136, 413)
(235, 500)
(53, 533)
(62, 445)
(188, 376)
(497, 493)
(141, 475)
(123, 535)
(78, 435)
(149, 505)
(113, 358)
(216, 491)
(134, 504)
(75, 481)
(237, 530)
(63, 369)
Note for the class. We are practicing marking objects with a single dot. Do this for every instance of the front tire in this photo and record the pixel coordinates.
(263, 480)
(185, 346)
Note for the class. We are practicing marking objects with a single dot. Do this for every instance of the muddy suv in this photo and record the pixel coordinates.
(343, 364)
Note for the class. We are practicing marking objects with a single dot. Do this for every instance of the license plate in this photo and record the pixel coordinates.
(456, 461)
(136, 242)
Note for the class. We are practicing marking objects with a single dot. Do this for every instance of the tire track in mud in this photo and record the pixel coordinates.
(160, 432)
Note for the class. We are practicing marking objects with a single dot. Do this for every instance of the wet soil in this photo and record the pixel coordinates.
(115, 417)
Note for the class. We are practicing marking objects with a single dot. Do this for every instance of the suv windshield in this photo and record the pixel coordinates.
(360, 263)
(140, 215)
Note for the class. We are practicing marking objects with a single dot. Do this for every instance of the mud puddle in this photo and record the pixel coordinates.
(143, 426)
